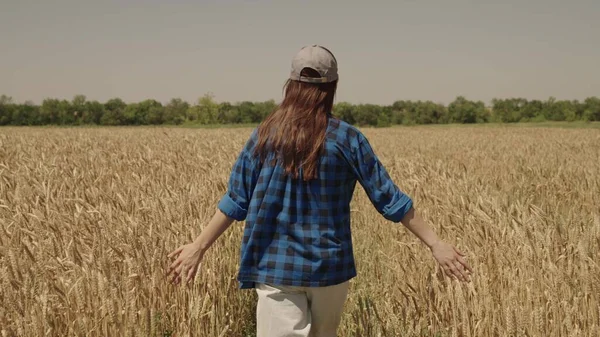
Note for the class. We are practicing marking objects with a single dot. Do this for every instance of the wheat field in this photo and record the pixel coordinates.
(88, 215)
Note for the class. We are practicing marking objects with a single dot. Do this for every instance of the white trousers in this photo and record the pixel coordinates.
(299, 311)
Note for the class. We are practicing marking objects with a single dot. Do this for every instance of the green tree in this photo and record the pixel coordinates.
(49, 111)
(114, 112)
(551, 110)
(462, 110)
(367, 114)
(78, 108)
(427, 113)
(248, 112)
(345, 112)
(26, 114)
(176, 111)
(591, 107)
(502, 111)
(510, 110)
(154, 111)
(132, 114)
(569, 110)
(579, 108)
(145, 112)
(404, 112)
(228, 114)
(561, 110)
(206, 110)
(383, 120)
(533, 109)
(93, 112)
(6, 110)
(66, 114)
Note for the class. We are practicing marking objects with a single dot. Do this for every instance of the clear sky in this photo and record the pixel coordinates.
(242, 50)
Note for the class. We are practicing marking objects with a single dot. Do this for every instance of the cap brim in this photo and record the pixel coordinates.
(313, 79)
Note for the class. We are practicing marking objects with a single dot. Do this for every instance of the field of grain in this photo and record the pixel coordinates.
(88, 215)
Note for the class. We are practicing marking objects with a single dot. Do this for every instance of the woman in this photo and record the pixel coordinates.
(292, 183)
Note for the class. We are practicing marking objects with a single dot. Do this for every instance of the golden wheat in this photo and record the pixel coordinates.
(88, 215)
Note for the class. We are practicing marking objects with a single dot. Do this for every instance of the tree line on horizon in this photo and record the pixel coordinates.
(206, 111)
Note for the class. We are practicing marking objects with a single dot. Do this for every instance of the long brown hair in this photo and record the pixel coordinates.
(295, 131)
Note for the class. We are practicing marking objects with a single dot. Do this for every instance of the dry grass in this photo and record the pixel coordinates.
(87, 217)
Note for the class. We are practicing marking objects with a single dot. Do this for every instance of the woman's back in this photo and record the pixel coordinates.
(298, 232)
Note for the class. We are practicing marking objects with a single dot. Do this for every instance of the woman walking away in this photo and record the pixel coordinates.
(292, 183)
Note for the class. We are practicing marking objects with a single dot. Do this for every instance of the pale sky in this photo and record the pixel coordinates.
(242, 50)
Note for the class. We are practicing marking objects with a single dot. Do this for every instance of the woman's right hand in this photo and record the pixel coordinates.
(451, 260)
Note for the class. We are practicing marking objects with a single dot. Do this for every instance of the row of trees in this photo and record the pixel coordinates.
(208, 111)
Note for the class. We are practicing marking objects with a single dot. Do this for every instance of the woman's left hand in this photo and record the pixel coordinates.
(186, 265)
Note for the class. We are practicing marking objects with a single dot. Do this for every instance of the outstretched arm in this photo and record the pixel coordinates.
(396, 206)
(190, 255)
(233, 206)
(449, 258)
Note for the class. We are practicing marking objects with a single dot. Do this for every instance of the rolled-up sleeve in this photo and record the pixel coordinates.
(385, 196)
(241, 185)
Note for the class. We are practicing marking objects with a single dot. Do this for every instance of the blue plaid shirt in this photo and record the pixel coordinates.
(298, 233)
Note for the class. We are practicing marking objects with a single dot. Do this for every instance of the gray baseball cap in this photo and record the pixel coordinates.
(318, 58)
